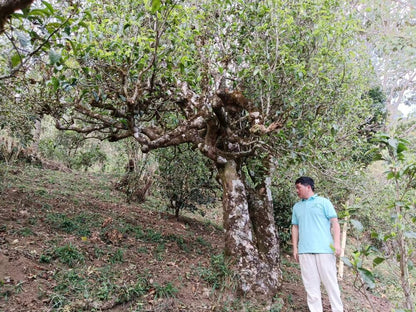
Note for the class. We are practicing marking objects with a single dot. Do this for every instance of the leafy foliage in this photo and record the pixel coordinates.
(389, 30)
(71, 149)
(283, 201)
(284, 57)
(400, 177)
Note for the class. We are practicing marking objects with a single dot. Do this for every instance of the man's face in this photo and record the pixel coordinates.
(303, 191)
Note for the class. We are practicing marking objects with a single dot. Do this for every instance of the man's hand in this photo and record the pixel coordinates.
(296, 255)
(337, 251)
(295, 238)
(336, 232)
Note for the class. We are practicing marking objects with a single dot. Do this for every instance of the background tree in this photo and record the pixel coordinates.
(28, 32)
(389, 28)
(186, 179)
(383, 212)
(402, 172)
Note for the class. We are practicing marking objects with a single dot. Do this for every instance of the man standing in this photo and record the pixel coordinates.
(313, 245)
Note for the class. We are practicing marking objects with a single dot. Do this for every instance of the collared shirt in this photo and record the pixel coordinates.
(312, 216)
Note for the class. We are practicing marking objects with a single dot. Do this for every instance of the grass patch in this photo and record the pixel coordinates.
(53, 183)
(153, 236)
(105, 284)
(79, 224)
(203, 242)
(219, 275)
(117, 256)
(165, 291)
(67, 254)
(25, 231)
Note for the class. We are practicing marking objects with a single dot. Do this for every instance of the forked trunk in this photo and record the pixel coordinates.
(250, 234)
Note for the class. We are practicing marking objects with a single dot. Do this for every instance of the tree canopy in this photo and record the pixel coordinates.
(273, 75)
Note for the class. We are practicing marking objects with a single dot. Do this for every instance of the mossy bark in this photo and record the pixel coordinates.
(250, 234)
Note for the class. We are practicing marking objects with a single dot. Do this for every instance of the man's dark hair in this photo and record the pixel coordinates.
(306, 181)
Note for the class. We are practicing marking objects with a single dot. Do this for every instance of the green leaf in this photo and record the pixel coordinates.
(156, 4)
(367, 277)
(55, 83)
(377, 261)
(381, 137)
(389, 236)
(15, 59)
(357, 225)
(374, 235)
(49, 6)
(410, 234)
(54, 57)
(390, 175)
(17, 15)
(347, 262)
(401, 147)
(39, 12)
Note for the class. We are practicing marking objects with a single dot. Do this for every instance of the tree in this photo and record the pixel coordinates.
(30, 34)
(402, 174)
(185, 179)
(247, 83)
(389, 28)
(27, 32)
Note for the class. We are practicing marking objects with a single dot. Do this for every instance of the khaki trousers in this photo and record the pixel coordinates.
(317, 268)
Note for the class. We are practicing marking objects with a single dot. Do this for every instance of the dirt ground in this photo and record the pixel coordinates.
(172, 253)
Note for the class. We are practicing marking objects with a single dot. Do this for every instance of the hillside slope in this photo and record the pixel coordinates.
(68, 242)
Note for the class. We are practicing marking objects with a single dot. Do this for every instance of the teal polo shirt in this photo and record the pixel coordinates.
(312, 216)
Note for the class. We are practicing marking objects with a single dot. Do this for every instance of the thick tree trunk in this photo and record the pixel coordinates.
(250, 234)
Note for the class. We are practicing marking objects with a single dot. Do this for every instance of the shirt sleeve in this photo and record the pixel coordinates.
(294, 218)
(330, 210)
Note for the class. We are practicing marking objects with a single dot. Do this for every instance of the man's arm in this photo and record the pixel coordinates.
(336, 234)
(295, 239)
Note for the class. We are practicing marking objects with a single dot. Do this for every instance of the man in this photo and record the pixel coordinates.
(313, 245)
